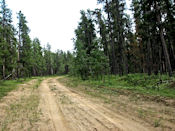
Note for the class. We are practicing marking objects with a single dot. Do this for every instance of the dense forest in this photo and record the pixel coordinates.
(22, 57)
(107, 41)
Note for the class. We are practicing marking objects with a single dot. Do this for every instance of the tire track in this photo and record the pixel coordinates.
(86, 115)
(50, 109)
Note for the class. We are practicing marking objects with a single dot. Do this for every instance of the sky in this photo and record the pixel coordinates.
(52, 21)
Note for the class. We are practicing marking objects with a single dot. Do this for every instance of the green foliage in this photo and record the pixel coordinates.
(89, 58)
(7, 41)
(134, 83)
(157, 123)
(105, 43)
(22, 57)
(25, 47)
(148, 34)
(57, 63)
(7, 86)
(37, 58)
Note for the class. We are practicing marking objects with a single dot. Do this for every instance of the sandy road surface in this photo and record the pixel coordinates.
(50, 109)
(54, 107)
(64, 110)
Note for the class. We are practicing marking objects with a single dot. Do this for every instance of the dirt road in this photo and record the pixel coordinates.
(54, 107)
(64, 110)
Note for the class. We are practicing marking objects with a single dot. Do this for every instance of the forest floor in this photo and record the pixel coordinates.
(50, 105)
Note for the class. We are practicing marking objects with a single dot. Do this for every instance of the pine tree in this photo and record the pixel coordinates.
(115, 23)
(169, 10)
(24, 47)
(37, 58)
(48, 59)
(150, 29)
(90, 59)
(111, 40)
(100, 21)
(7, 41)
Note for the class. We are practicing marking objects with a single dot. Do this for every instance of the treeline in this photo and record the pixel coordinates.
(109, 41)
(22, 57)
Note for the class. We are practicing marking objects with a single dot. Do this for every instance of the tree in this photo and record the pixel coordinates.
(166, 54)
(7, 41)
(100, 21)
(24, 46)
(37, 58)
(150, 29)
(90, 59)
(48, 60)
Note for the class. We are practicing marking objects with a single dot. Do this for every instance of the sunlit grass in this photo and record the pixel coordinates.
(9, 85)
(136, 83)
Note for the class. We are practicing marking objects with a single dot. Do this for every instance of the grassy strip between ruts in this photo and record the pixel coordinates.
(9, 85)
(153, 87)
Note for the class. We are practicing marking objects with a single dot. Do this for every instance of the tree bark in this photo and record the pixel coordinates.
(165, 50)
(121, 42)
(18, 60)
(113, 60)
(3, 68)
(149, 62)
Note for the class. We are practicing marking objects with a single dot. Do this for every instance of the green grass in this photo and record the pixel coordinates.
(157, 123)
(26, 107)
(37, 84)
(132, 83)
(9, 85)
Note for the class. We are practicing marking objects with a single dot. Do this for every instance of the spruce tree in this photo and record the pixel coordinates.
(37, 58)
(90, 60)
(7, 41)
(24, 46)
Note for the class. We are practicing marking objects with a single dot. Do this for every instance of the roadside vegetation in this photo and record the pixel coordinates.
(22, 110)
(9, 85)
(149, 98)
(150, 87)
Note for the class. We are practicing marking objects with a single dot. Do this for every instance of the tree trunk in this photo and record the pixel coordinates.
(165, 50)
(113, 60)
(149, 61)
(3, 68)
(18, 63)
(121, 42)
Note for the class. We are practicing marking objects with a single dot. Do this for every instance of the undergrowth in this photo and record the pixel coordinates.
(9, 85)
(160, 85)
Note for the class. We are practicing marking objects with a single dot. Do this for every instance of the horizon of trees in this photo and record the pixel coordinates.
(105, 43)
(120, 49)
(22, 57)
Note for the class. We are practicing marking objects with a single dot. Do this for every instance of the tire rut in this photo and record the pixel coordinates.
(83, 115)
(50, 109)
